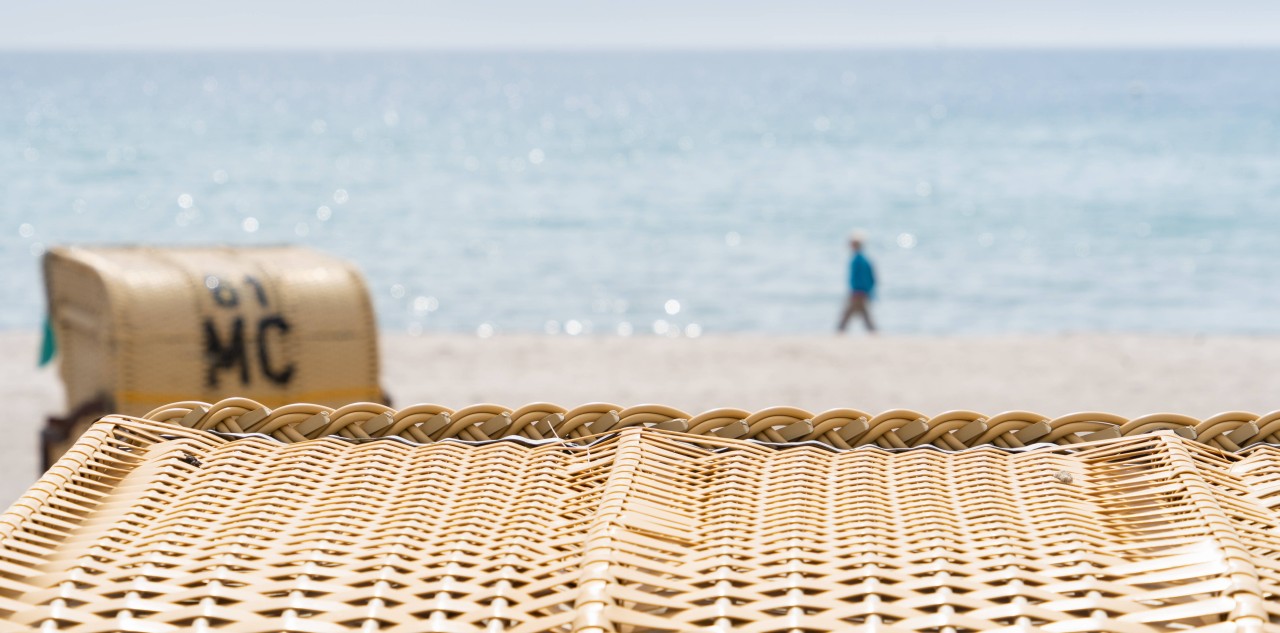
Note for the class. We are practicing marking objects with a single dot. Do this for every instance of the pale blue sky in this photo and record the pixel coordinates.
(633, 24)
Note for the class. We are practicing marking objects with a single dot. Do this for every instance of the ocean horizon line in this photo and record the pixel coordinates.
(628, 50)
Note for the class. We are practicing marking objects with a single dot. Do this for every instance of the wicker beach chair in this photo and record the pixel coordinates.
(138, 327)
(240, 517)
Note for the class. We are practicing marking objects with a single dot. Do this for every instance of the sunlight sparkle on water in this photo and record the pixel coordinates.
(425, 304)
(671, 306)
(644, 176)
(485, 330)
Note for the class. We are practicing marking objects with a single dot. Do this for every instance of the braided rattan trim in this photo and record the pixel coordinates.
(841, 428)
(151, 527)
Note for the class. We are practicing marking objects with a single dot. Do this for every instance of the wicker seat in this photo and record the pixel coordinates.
(237, 517)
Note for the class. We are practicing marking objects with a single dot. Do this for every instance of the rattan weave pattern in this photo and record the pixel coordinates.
(840, 428)
(148, 525)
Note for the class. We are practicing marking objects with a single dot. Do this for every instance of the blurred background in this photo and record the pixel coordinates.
(1070, 205)
(674, 169)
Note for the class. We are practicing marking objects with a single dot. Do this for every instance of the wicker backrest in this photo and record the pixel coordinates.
(138, 327)
(155, 526)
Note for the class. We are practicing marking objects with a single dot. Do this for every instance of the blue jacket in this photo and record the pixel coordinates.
(861, 277)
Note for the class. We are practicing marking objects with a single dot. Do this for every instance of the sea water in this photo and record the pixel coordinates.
(677, 193)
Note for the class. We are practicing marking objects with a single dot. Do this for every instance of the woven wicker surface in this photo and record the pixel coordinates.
(153, 526)
(139, 327)
(841, 428)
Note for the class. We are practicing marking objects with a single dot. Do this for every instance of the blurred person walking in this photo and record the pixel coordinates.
(862, 282)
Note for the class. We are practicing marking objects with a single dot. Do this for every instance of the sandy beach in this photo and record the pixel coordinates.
(1126, 374)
